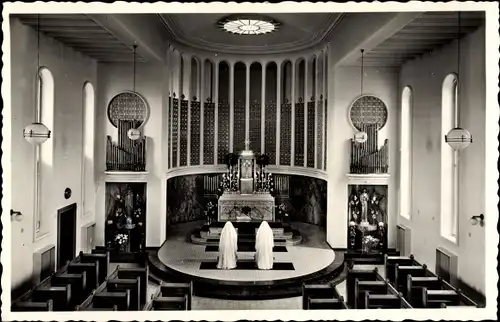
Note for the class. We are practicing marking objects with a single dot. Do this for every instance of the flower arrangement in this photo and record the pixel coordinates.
(121, 239)
(369, 242)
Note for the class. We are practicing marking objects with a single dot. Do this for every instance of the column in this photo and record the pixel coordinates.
(231, 105)
(292, 132)
(316, 102)
(216, 106)
(247, 103)
(278, 111)
(263, 110)
(306, 100)
(201, 97)
(187, 92)
(325, 95)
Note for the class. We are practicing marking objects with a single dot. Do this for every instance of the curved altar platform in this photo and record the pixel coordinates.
(179, 259)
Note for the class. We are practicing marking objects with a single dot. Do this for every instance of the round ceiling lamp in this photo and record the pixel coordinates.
(248, 25)
(458, 138)
(134, 134)
(36, 133)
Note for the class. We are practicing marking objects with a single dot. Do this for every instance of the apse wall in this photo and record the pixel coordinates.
(217, 102)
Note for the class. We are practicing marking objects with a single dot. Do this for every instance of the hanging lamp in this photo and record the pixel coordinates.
(134, 133)
(361, 136)
(36, 132)
(458, 138)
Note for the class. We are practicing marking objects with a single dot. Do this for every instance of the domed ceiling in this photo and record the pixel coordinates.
(295, 31)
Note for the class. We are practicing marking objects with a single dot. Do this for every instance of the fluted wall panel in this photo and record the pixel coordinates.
(208, 133)
(286, 134)
(270, 142)
(310, 134)
(239, 126)
(169, 129)
(326, 131)
(299, 134)
(195, 133)
(223, 131)
(255, 126)
(175, 129)
(183, 134)
(319, 135)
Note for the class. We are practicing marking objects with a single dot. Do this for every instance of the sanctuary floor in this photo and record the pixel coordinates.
(312, 255)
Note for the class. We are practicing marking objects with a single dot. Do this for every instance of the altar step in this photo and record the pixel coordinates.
(289, 238)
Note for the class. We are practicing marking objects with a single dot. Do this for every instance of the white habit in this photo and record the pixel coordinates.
(264, 244)
(228, 246)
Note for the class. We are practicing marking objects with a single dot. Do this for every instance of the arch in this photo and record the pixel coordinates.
(88, 176)
(44, 154)
(194, 79)
(449, 160)
(405, 152)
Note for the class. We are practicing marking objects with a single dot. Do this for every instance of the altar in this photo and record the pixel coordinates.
(246, 190)
(246, 207)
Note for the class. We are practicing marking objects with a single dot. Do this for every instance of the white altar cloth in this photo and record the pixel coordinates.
(261, 207)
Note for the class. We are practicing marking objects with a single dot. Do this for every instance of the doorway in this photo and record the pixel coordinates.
(66, 234)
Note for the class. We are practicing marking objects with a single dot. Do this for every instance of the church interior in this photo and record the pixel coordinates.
(209, 161)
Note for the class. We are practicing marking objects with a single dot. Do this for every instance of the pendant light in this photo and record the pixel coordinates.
(458, 138)
(134, 133)
(37, 133)
(361, 136)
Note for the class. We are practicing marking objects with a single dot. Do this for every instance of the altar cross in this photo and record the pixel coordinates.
(247, 144)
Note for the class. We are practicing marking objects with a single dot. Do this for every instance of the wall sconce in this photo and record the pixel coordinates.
(16, 215)
(474, 220)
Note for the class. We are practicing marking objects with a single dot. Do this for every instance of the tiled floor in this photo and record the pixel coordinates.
(183, 256)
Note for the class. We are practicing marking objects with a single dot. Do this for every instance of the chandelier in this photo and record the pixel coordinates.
(248, 25)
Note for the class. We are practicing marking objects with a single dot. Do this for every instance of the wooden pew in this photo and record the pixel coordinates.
(178, 290)
(103, 260)
(327, 304)
(361, 287)
(362, 275)
(178, 303)
(439, 298)
(32, 306)
(60, 295)
(317, 291)
(133, 285)
(92, 273)
(414, 287)
(385, 301)
(133, 273)
(390, 265)
(402, 272)
(110, 299)
(78, 284)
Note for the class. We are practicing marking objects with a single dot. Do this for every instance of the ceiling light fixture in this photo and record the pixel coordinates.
(248, 25)
(458, 138)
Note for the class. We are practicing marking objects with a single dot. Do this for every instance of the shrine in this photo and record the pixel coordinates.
(246, 191)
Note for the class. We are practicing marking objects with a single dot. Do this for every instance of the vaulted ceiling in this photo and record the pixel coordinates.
(296, 31)
(83, 34)
(109, 37)
(425, 33)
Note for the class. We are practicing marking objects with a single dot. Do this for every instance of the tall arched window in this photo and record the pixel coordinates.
(449, 161)
(44, 153)
(88, 179)
(405, 153)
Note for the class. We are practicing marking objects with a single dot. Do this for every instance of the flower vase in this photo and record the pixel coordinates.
(122, 248)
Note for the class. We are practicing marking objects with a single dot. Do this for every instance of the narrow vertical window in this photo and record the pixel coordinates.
(405, 151)
(44, 153)
(88, 149)
(449, 161)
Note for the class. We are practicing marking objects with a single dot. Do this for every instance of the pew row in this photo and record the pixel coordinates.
(33, 306)
(321, 297)
(390, 265)
(172, 296)
(361, 275)
(385, 301)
